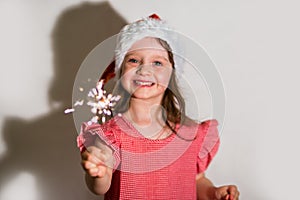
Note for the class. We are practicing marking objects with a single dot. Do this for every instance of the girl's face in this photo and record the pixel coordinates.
(146, 70)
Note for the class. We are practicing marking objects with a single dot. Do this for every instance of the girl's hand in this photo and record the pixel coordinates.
(227, 192)
(97, 159)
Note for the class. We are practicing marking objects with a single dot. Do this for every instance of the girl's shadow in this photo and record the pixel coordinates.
(46, 147)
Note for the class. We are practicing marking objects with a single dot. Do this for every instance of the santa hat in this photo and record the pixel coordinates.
(152, 26)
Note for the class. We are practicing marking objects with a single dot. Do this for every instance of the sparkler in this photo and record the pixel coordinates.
(101, 104)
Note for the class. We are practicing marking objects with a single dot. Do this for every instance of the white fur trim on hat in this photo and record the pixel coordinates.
(147, 27)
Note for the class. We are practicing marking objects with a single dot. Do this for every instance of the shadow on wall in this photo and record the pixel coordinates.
(46, 147)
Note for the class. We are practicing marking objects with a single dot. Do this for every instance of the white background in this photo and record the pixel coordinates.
(254, 44)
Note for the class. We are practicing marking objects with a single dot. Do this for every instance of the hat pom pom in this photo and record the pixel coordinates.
(154, 16)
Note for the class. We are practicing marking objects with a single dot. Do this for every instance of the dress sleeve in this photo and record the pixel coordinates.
(105, 133)
(209, 145)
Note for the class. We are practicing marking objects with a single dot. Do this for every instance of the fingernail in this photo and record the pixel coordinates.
(94, 170)
(91, 165)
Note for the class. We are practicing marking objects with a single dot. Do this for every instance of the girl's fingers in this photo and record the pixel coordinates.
(234, 192)
(89, 160)
(93, 172)
(101, 171)
(93, 169)
(229, 192)
(222, 193)
(236, 197)
(95, 161)
(96, 155)
(88, 165)
(98, 171)
(104, 154)
(94, 151)
(227, 197)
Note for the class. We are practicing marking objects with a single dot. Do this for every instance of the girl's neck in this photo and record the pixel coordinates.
(147, 118)
(144, 113)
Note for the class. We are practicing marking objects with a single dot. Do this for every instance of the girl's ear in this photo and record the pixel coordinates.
(109, 72)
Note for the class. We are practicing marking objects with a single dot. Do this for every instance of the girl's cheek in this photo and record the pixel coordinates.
(126, 79)
(164, 78)
(129, 70)
(129, 67)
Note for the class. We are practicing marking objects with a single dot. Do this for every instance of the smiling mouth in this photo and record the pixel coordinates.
(143, 83)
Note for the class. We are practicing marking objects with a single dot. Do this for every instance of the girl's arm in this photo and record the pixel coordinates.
(99, 184)
(97, 161)
(205, 188)
(207, 191)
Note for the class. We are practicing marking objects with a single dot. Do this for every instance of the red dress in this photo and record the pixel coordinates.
(154, 169)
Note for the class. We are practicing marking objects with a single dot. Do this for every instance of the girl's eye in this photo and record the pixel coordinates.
(132, 60)
(157, 63)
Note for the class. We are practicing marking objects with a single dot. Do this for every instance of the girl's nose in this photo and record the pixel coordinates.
(144, 69)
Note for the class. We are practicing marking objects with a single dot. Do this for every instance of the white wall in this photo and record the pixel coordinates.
(254, 45)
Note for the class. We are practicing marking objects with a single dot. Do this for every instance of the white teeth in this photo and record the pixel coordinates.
(143, 83)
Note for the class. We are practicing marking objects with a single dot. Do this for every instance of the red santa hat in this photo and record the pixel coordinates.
(151, 26)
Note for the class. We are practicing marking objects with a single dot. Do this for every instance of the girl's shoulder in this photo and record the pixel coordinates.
(203, 125)
(192, 129)
(94, 128)
(208, 123)
(111, 125)
(208, 128)
(209, 143)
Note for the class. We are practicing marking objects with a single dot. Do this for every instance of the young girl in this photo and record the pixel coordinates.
(150, 149)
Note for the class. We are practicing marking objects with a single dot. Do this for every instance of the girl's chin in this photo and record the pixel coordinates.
(148, 93)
